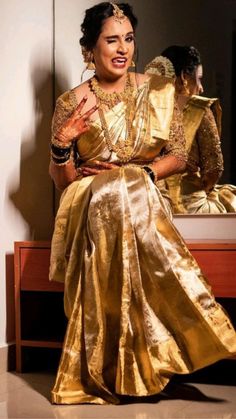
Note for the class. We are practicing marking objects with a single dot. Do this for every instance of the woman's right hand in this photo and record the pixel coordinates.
(75, 125)
(98, 167)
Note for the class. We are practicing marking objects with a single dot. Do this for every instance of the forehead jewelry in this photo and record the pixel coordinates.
(118, 13)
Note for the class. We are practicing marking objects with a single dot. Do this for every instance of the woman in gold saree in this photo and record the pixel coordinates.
(139, 309)
(196, 191)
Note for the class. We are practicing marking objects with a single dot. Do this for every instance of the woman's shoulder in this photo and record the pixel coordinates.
(70, 97)
(203, 101)
(82, 89)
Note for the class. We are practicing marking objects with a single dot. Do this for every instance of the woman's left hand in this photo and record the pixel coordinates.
(98, 167)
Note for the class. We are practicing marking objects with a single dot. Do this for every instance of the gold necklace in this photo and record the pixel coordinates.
(111, 99)
(124, 149)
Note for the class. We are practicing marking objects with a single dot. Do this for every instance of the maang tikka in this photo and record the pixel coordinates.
(118, 13)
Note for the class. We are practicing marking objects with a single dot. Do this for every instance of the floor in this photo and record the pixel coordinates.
(210, 393)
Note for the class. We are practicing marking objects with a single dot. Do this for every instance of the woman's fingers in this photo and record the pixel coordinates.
(104, 165)
(76, 124)
(87, 114)
(80, 106)
(98, 167)
(89, 171)
(77, 112)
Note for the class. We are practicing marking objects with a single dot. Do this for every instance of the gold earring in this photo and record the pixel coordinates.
(90, 65)
(186, 89)
(132, 63)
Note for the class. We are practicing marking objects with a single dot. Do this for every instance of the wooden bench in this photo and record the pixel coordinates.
(40, 320)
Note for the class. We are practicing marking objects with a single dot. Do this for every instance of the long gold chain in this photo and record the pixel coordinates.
(124, 148)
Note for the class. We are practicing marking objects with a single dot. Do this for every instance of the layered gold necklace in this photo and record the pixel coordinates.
(124, 148)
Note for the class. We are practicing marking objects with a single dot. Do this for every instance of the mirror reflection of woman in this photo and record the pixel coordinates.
(139, 309)
(197, 190)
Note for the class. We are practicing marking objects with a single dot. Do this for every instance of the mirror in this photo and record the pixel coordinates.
(208, 25)
(211, 28)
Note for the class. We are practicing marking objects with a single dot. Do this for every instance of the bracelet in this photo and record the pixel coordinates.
(59, 151)
(66, 156)
(60, 161)
(151, 173)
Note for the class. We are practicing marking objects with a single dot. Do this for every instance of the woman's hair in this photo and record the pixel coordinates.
(184, 58)
(94, 19)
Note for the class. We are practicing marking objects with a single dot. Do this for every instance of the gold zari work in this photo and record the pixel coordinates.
(123, 148)
(139, 308)
(111, 99)
(202, 126)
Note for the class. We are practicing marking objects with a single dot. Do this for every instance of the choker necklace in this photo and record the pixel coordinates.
(111, 99)
(124, 148)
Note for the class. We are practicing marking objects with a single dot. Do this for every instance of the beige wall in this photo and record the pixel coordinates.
(26, 110)
(26, 102)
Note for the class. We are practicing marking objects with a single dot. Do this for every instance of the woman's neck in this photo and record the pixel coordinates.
(182, 100)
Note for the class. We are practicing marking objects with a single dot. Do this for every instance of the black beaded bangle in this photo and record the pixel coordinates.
(60, 151)
(60, 160)
(150, 173)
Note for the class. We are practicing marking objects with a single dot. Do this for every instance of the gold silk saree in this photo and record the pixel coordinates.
(139, 309)
(202, 127)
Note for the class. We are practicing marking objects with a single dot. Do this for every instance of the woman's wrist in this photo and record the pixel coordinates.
(151, 172)
(61, 141)
(60, 155)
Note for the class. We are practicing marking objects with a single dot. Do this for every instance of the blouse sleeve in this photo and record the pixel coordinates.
(211, 158)
(176, 146)
(63, 109)
(65, 105)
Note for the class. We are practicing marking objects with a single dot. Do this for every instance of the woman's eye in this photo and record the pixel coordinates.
(109, 41)
(129, 39)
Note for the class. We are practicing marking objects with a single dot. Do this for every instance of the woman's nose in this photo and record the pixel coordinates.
(122, 48)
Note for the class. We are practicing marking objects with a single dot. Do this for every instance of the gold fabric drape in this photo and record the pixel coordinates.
(139, 309)
(202, 132)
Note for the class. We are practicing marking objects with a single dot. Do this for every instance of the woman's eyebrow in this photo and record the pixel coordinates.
(117, 36)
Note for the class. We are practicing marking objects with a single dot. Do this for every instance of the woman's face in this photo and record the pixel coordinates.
(114, 49)
(195, 81)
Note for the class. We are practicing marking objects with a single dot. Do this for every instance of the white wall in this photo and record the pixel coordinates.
(68, 58)
(26, 110)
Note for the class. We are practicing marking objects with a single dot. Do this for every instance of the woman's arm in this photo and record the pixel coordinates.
(211, 158)
(67, 126)
(174, 154)
(62, 175)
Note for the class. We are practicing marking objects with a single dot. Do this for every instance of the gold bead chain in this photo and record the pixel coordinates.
(124, 149)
